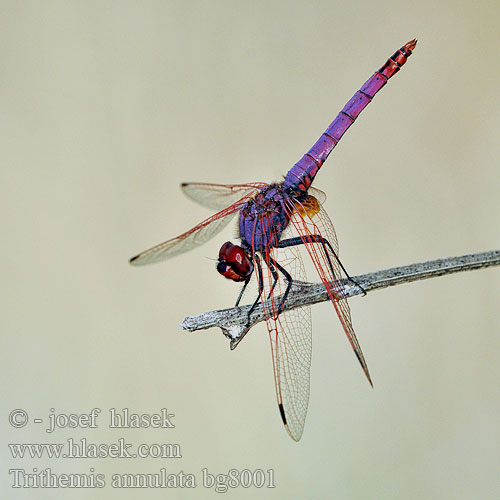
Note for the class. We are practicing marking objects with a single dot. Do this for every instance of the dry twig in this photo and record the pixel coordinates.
(234, 321)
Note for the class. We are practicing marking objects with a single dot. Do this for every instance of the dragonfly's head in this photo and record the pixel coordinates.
(234, 263)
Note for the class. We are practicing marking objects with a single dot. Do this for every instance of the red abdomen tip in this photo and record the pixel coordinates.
(410, 45)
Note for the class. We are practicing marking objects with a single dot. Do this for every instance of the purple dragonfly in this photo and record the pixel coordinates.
(275, 221)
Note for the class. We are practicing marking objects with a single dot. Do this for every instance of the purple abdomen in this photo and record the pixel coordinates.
(301, 175)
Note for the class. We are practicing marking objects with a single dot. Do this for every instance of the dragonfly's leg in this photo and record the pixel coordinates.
(275, 278)
(327, 243)
(260, 282)
(288, 280)
(242, 291)
(316, 238)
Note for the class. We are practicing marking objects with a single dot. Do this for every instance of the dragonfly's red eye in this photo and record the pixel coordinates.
(234, 262)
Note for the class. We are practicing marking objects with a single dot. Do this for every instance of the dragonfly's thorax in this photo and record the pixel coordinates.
(263, 218)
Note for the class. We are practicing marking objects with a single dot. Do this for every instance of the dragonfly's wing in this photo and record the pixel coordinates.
(310, 219)
(318, 194)
(290, 334)
(196, 236)
(218, 196)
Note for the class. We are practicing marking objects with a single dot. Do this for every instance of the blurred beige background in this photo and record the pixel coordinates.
(107, 106)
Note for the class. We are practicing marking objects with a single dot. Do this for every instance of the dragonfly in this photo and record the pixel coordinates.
(278, 223)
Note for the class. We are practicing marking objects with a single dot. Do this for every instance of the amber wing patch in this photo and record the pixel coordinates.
(308, 206)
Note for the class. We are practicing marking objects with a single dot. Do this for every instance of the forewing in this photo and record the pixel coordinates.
(290, 334)
(310, 219)
(196, 236)
(218, 196)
